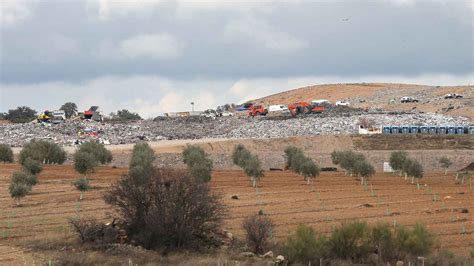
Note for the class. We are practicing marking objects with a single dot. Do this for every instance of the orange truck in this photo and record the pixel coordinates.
(256, 110)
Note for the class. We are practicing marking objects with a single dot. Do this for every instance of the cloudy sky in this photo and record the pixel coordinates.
(156, 56)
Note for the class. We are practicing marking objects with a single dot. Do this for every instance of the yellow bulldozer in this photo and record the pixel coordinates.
(45, 116)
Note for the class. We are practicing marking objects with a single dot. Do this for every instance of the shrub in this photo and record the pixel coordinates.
(82, 184)
(18, 191)
(347, 160)
(383, 241)
(6, 154)
(43, 152)
(199, 165)
(90, 230)
(142, 155)
(21, 114)
(84, 162)
(32, 166)
(240, 155)
(413, 242)
(445, 162)
(100, 153)
(304, 247)
(350, 242)
(397, 159)
(258, 230)
(309, 169)
(124, 115)
(171, 211)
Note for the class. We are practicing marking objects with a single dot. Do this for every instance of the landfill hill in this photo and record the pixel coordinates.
(384, 96)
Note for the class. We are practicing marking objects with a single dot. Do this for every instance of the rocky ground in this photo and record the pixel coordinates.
(337, 121)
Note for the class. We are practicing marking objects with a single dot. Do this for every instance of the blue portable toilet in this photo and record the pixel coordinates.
(441, 130)
(471, 130)
(386, 130)
(460, 130)
(424, 130)
(432, 130)
(451, 130)
(405, 129)
(395, 130)
(414, 130)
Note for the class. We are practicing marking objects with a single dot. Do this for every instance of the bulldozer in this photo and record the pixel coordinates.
(45, 116)
(305, 108)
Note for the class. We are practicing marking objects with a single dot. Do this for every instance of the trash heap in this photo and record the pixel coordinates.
(77, 131)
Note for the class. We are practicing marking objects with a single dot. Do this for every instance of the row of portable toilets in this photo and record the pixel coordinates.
(450, 130)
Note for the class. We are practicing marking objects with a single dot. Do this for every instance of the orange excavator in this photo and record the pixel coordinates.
(305, 108)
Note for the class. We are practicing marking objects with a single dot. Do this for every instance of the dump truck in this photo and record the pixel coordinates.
(93, 114)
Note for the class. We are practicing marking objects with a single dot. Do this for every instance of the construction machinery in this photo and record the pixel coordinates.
(45, 116)
(93, 114)
(305, 108)
(257, 110)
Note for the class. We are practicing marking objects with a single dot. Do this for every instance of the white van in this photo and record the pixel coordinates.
(277, 108)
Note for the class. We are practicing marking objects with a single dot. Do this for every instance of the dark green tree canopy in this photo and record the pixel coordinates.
(69, 108)
(22, 114)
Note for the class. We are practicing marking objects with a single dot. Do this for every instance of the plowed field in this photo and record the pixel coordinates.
(331, 200)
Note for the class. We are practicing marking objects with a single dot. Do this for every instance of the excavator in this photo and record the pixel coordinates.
(305, 108)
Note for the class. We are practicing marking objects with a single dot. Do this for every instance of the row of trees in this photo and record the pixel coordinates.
(25, 114)
(399, 161)
(301, 164)
(353, 163)
(249, 162)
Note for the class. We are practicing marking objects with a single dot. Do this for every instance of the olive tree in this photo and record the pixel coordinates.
(100, 153)
(240, 154)
(6, 154)
(253, 169)
(84, 163)
(412, 168)
(32, 166)
(347, 160)
(363, 169)
(198, 162)
(445, 162)
(141, 163)
(290, 153)
(42, 151)
(82, 184)
(397, 159)
(18, 191)
(309, 170)
(24, 177)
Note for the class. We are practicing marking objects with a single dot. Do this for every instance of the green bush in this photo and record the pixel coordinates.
(397, 159)
(22, 114)
(84, 162)
(290, 151)
(383, 241)
(417, 241)
(350, 242)
(43, 151)
(258, 231)
(363, 169)
(82, 184)
(32, 166)
(6, 154)
(297, 160)
(199, 165)
(304, 247)
(347, 160)
(100, 153)
(253, 169)
(18, 191)
(412, 168)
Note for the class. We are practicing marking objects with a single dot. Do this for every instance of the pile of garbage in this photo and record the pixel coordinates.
(77, 131)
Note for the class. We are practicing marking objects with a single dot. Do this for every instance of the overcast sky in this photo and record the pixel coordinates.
(157, 56)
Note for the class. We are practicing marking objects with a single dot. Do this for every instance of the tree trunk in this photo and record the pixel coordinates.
(413, 180)
(308, 180)
(82, 196)
(17, 200)
(254, 182)
(362, 180)
(445, 171)
(406, 176)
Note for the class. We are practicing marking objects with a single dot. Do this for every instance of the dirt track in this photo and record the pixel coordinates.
(333, 199)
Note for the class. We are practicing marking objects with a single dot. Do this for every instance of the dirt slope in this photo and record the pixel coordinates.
(379, 95)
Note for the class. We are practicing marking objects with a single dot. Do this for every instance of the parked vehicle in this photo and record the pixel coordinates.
(321, 102)
(257, 110)
(453, 96)
(244, 107)
(305, 108)
(277, 108)
(342, 103)
(408, 100)
(227, 113)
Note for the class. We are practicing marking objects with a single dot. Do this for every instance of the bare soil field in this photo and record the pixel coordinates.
(334, 198)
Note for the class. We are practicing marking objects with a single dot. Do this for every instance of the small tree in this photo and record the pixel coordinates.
(43, 151)
(22, 114)
(240, 155)
(413, 168)
(82, 184)
(258, 230)
(32, 166)
(6, 154)
(397, 159)
(347, 160)
(253, 169)
(445, 162)
(125, 115)
(100, 153)
(84, 163)
(24, 177)
(363, 169)
(290, 152)
(69, 108)
(199, 165)
(309, 170)
(18, 191)
(141, 163)
(350, 242)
